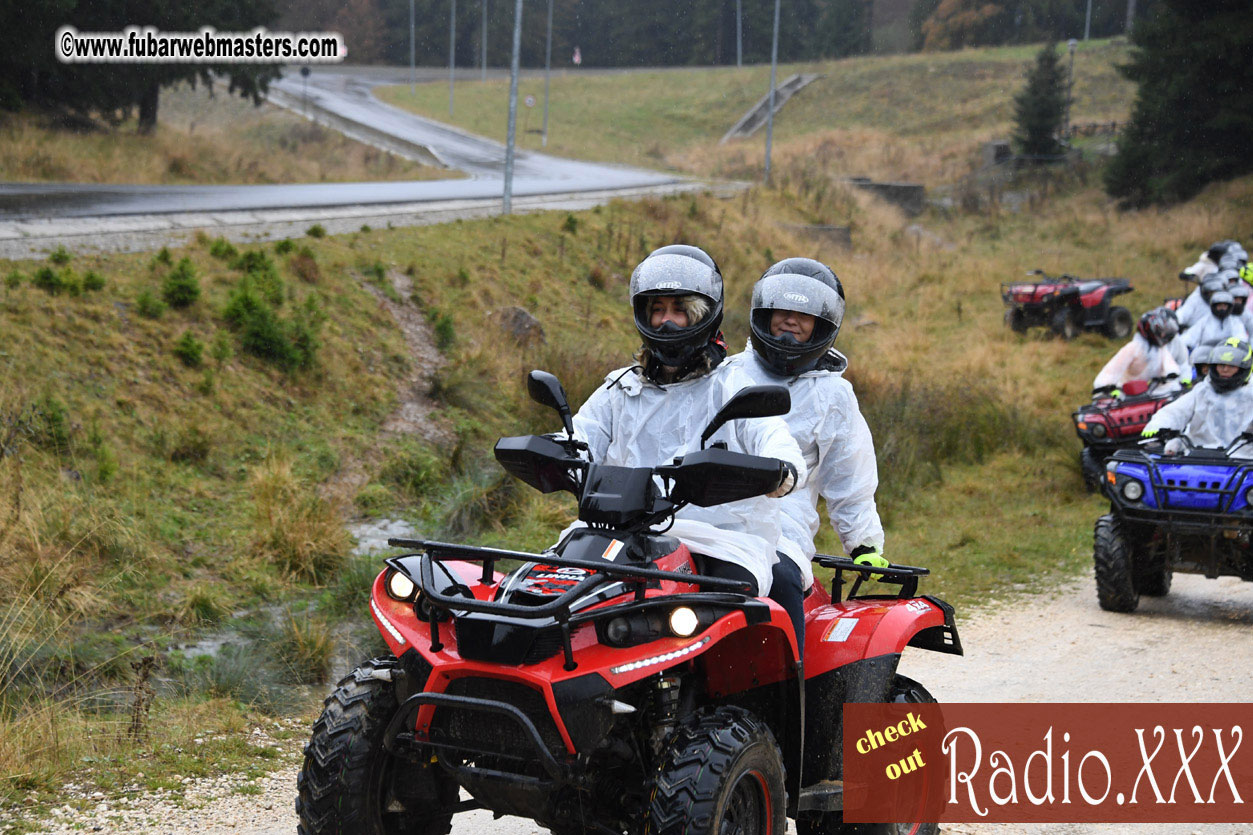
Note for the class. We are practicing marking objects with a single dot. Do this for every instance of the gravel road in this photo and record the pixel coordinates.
(1193, 645)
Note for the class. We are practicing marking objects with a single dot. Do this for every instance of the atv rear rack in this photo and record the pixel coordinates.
(906, 576)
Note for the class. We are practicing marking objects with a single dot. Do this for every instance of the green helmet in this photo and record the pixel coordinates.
(1234, 351)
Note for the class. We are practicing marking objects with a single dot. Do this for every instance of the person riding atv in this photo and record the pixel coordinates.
(1217, 410)
(653, 410)
(607, 686)
(796, 313)
(1155, 351)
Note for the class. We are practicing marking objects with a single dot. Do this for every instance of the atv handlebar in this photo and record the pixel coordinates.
(906, 576)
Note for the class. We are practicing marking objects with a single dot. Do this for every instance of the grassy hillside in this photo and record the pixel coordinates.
(150, 491)
(200, 138)
(896, 116)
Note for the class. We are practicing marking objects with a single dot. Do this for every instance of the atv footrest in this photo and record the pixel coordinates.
(826, 796)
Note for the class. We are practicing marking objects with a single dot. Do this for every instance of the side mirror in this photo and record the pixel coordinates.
(754, 401)
(546, 390)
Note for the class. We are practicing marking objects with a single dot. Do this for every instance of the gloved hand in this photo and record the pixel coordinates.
(787, 484)
(871, 557)
(1149, 433)
(1115, 392)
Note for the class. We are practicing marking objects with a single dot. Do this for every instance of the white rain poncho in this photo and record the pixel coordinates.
(1207, 417)
(632, 422)
(1139, 360)
(1192, 309)
(1212, 329)
(839, 452)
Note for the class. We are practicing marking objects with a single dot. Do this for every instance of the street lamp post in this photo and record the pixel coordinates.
(412, 62)
(513, 106)
(1070, 86)
(452, 51)
(548, 61)
(774, 65)
(1087, 22)
(739, 33)
(483, 44)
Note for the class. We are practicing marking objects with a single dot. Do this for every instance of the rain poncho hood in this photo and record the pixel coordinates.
(839, 452)
(1209, 328)
(1207, 417)
(1139, 360)
(631, 422)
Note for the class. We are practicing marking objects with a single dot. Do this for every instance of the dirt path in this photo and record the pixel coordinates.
(415, 413)
(1191, 646)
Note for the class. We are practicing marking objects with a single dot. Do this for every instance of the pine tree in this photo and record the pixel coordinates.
(1041, 106)
(1192, 122)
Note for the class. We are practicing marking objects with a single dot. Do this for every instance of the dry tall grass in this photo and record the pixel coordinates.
(295, 529)
(200, 139)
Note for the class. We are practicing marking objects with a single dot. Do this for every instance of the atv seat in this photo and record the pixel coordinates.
(1132, 388)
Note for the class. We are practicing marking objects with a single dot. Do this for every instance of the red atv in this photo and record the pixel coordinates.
(1068, 305)
(607, 685)
(1109, 423)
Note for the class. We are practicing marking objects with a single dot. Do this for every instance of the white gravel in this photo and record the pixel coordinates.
(1193, 645)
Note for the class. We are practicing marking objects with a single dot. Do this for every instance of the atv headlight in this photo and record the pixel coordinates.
(399, 586)
(1099, 430)
(1132, 490)
(1248, 497)
(683, 622)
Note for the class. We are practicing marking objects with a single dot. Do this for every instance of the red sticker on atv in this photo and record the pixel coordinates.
(551, 580)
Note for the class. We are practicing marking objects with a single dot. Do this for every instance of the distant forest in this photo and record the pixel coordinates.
(697, 32)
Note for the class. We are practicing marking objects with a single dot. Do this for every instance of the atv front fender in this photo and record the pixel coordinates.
(842, 633)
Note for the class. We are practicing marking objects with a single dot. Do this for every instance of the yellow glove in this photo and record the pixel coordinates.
(874, 558)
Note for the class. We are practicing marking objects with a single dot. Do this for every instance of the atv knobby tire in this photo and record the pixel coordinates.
(904, 691)
(1119, 322)
(722, 773)
(348, 777)
(1066, 323)
(1016, 319)
(1093, 468)
(1112, 558)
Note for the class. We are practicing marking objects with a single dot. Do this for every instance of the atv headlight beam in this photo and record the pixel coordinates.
(684, 622)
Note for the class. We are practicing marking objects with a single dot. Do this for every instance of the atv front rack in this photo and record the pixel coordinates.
(906, 576)
(1181, 519)
(600, 574)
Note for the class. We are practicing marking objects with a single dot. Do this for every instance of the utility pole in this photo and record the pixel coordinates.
(452, 51)
(739, 33)
(1131, 16)
(548, 61)
(774, 66)
(1070, 88)
(412, 79)
(1087, 22)
(483, 44)
(513, 105)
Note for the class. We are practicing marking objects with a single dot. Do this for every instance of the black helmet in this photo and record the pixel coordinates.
(1159, 326)
(677, 270)
(1212, 285)
(1221, 303)
(1218, 249)
(1235, 352)
(806, 286)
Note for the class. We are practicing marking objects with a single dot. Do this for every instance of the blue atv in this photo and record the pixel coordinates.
(1191, 513)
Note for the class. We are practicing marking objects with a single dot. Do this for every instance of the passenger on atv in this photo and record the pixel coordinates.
(797, 309)
(1155, 351)
(1218, 325)
(655, 410)
(1217, 410)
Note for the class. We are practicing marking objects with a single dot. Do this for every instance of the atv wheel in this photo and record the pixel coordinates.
(1118, 323)
(1066, 323)
(1111, 555)
(1093, 468)
(904, 691)
(1016, 320)
(350, 785)
(722, 775)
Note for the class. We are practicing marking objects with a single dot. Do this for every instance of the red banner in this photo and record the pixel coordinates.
(1048, 763)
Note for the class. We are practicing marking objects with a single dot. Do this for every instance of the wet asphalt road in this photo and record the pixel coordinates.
(346, 93)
